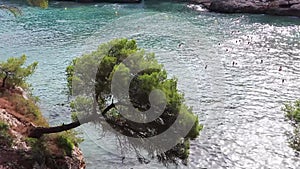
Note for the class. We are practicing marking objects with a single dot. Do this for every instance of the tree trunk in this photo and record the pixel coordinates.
(38, 132)
(4, 79)
(123, 127)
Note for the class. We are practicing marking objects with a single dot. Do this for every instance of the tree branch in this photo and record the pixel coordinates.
(37, 132)
(124, 127)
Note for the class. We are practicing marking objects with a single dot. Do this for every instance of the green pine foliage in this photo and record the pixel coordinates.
(14, 73)
(109, 60)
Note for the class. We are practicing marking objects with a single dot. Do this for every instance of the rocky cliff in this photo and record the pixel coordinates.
(17, 151)
(272, 7)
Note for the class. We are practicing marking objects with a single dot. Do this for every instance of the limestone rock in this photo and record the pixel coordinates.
(272, 7)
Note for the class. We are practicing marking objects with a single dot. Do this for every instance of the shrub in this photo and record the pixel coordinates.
(5, 137)
(28, 108)
(67, 141)
(292, 112)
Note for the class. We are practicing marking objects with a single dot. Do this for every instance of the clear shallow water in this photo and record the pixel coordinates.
(239, 105)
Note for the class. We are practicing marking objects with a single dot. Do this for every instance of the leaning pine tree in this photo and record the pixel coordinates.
(127, 92)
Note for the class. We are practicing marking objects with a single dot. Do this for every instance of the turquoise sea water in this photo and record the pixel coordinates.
(240, 105)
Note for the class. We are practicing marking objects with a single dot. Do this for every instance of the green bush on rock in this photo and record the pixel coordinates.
(5, 137)
(292, 112)
(67, 141)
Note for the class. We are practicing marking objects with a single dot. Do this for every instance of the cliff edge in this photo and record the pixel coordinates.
(18, 114)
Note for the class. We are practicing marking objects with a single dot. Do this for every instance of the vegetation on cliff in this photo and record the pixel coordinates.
(292, 112)
(5, 137)
(18, 114)
(13, 73)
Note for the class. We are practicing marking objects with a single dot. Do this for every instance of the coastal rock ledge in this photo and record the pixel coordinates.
(20, 155)
(271, 7)
(18, 114)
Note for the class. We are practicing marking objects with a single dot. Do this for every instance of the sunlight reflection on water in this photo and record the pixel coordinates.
(238, 104)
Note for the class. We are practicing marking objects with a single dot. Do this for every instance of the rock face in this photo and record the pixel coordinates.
(20, 155)
(272, 7)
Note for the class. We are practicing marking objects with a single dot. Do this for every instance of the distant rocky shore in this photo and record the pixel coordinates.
(271, 7)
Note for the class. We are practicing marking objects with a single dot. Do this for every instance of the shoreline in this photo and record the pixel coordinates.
(269, 7)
